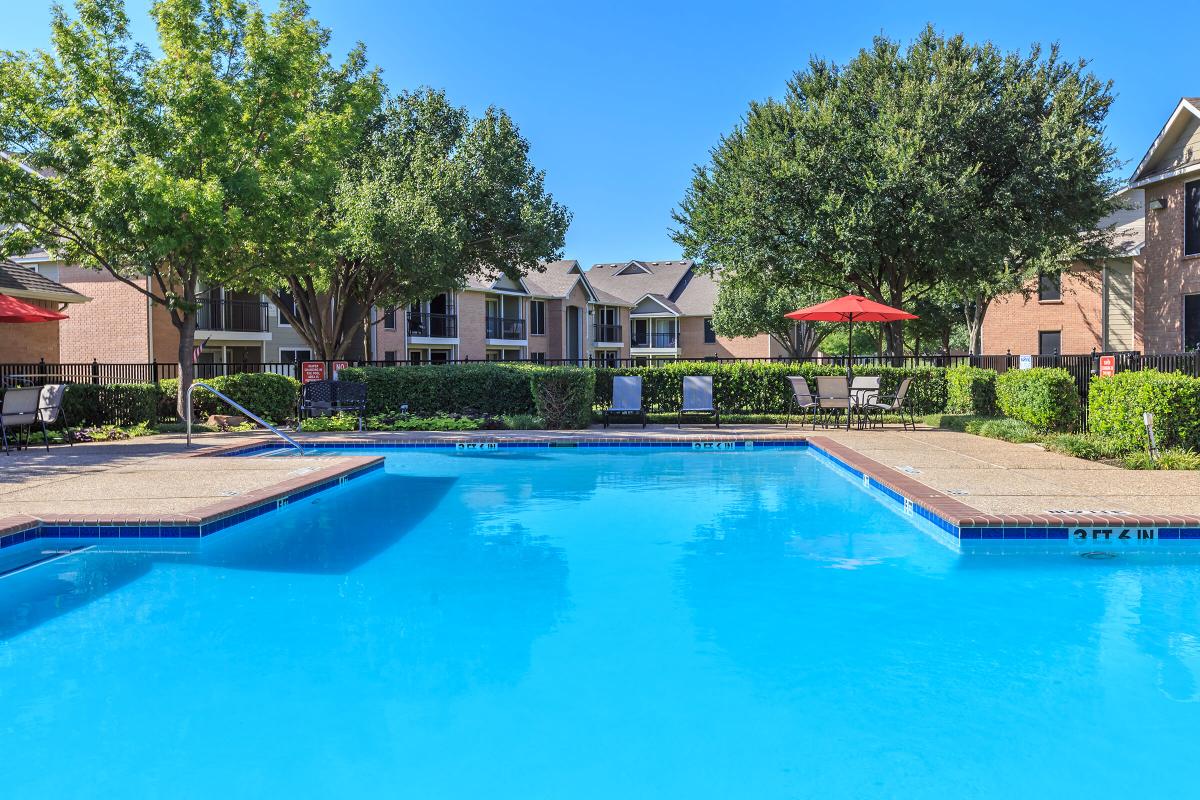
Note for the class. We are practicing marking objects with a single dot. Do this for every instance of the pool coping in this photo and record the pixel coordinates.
(194, 524)
(961, 522)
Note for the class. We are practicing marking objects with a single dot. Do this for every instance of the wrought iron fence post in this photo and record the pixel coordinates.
(95, 371)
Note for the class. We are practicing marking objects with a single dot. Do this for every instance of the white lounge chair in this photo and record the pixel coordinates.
(50, 408)
(698, 398)
(627, 398)
(19, 410)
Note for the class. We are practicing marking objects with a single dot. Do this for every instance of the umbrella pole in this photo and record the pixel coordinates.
(849, 371)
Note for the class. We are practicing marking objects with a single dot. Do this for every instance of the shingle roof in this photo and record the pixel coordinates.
(677, 283)
(19, 281)
(557, 279)
(640, 278)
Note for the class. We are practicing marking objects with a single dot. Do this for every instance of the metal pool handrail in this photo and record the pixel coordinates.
(240, 408)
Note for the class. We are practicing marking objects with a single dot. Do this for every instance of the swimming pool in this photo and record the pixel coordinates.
(621, 622)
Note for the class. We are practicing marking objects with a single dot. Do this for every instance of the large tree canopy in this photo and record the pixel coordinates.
(429, 198)
(184, 168)
(945, 163)
(748, 307)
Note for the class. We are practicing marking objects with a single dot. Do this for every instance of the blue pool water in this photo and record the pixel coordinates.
(596, 623)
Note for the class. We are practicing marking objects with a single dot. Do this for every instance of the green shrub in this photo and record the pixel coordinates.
(1171, 458)
(270, 396)
(1116, 405)
(762, 387)
(387, 422)
(473, 389)
(523, 422)
(970, 390)
(1086, 446)
(94, 404)
(564, 396)
(1045, 398)
(1010, 430)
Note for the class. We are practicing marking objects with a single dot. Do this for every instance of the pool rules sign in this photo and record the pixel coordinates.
(1108, 366)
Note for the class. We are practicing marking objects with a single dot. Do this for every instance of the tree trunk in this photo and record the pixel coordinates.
(186, 325)
(974, 310)
(893, 334)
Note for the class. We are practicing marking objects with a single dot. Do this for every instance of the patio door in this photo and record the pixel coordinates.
(573, 334)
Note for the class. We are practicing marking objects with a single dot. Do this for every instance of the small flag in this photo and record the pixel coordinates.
(198, 349)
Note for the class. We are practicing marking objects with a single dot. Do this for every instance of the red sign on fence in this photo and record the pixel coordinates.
(338, 366)
(312, 371)
(1108, 366)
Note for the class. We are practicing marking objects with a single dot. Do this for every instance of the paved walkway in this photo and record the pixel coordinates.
(146, 476)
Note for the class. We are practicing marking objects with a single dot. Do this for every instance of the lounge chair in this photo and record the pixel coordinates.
(50, 408)
(698, 399)
(802, 400)
(898, 403)
(18, 410)
(833, 396)
(627, 398)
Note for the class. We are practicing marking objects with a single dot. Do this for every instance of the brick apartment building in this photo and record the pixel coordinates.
(1146, 298)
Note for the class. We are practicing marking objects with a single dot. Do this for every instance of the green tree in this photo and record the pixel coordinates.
(746, 307)
(195, 166)
(942, 163)
(429, 198)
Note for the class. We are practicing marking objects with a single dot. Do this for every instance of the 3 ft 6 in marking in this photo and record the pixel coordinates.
(1114, 534)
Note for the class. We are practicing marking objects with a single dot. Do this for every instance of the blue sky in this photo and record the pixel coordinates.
(620, 99)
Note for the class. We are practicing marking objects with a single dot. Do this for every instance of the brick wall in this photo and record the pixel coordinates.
(692, 345)
(1169, 273)
(30, 342)
(471, 326)
(1013, 321)
(552, 342)
(112, 327)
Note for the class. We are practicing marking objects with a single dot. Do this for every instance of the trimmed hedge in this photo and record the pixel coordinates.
(270, 396)
(470, 389)
(971, 390)
(1116, 405)
(88, 404)
(762, 387)
(1046, 398)
(564, 396)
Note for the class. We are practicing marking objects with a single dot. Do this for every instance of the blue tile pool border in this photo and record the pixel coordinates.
(36, 529)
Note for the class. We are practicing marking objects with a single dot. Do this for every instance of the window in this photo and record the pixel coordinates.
(710, 336)
(286, 301)
(414, 357)
(537, 358)
(439, 356)
(294, 355)
(1191, 322)
(1049, 343)
(1191, 218)
(1049, 288)
(537, 318)
(389, 319)
(389, 356)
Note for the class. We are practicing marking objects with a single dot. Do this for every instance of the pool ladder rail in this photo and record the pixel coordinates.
(290, 441)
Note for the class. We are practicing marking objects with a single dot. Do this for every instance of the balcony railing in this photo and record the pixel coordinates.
(505, 328)
(246, 316)
(433, 326)
(606, 333)
(658, 340)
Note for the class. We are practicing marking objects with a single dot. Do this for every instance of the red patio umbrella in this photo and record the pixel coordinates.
(852, 308)
(14, 310)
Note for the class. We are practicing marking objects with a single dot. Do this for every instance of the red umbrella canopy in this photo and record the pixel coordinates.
(14, 310)
(851, 308)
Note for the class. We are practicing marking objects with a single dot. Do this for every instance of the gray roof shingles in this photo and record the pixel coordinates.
(17, 281)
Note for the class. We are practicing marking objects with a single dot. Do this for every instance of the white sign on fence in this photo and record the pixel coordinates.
(1026, 362)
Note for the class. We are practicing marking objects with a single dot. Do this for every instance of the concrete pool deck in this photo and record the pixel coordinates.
(960, 475)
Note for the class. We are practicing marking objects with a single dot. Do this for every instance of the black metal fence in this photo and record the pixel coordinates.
(1082, 367)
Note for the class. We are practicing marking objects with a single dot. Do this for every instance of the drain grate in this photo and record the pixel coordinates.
(1098, 555)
